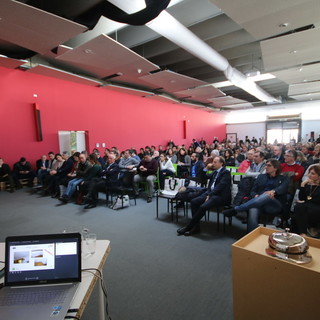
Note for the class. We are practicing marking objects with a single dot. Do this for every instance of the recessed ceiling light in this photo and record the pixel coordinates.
(284, 25)
(89, 51)
(293, 51)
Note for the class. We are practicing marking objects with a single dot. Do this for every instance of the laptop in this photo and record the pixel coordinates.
(42, 273)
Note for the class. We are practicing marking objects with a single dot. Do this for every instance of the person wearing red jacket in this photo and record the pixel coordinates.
(290, 165)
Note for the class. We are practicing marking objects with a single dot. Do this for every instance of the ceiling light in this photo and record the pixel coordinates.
(257, 78)
(284, 25)
(262, 77)
(293, 51)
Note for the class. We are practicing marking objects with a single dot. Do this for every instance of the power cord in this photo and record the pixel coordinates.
(104, 289)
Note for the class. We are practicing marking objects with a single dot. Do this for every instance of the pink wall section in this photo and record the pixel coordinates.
(114, 118)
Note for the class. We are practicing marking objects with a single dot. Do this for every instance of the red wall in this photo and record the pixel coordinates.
(117, 119)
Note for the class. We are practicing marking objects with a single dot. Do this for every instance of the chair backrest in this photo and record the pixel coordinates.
(127, 179)
(175, 168)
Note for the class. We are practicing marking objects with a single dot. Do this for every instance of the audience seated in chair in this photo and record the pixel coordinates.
(258, 165)
(5, 174)
(268, 195)
(147, 172)
(166, 169)
(23, 170)
(108, 179)
(42, 166)
(184, 163)
(306, 217)
(217, 194)
(81, 173)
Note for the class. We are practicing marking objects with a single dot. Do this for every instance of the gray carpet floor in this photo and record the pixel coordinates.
(151, 273)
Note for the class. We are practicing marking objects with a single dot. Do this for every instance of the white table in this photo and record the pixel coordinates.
(97, 261)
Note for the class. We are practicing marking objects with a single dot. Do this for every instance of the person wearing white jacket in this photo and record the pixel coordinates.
(166, 169)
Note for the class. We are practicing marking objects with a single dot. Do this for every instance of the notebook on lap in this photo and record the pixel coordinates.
(42, 273)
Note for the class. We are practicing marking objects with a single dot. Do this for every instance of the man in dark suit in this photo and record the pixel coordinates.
(218, 193)
(110, 178)
(196, 171)
(42, 169)
(278, 154)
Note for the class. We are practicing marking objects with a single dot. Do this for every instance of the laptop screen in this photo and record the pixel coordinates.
(43, 259)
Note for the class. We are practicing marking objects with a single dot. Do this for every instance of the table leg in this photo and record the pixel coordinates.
(101, 301)
(157, 205)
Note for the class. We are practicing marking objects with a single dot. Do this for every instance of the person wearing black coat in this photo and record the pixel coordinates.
(269, 194)
(23, 170)
(218, 193)
(5, 174)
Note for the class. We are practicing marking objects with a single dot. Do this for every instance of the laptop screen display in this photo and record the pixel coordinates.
(43, 259)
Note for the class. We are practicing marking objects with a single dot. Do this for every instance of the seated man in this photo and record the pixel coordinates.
(218, 193)
(110, 178)
(258, 165)
(42, 165)
(61, 173)
(147, 171)
(82, 170)
(128, 162)
(268, 195)
(23, 170)
(197, 173)
(245, 164)
(277, 154)
(5, 174)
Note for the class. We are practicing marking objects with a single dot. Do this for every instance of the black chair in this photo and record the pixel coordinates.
(125, 187)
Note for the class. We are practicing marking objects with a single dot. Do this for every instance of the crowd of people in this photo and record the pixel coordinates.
(272, 174)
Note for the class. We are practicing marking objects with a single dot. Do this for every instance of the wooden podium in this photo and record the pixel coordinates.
(268, 288)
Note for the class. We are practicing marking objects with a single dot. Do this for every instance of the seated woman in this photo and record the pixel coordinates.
(230, 160)
(184, 163)
(306, 211)
(166, 169)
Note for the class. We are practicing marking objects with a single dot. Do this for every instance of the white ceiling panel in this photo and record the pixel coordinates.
(246, 105)
(227, 100)
(11, 63)
(291, 50)
(104, 56)
(130, 91)
(59, 74)
(171, 81)
(262, 18)
(299, 74)
(34, 29)
(206, 92)
(304, 88)
(307, 96)
(162, 98)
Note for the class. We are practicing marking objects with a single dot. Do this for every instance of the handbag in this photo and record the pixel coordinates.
(172, 185)
(122, 201)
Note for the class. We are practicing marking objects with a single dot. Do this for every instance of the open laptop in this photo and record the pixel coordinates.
(42, 273)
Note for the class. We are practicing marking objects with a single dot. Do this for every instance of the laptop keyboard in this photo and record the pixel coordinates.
(56, 297)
